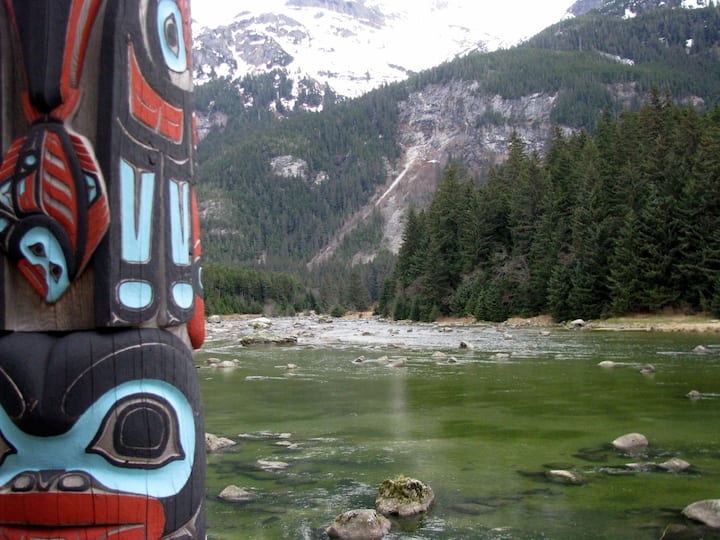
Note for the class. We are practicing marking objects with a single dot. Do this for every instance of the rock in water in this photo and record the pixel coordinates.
(272, 466)
(404, 497)
(236, 494)
(568, 477)
(631, 441)
(359, 525)
(707, 512)
(675, 465)
(213, 443)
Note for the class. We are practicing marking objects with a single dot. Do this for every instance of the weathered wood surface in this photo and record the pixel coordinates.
(101, 429)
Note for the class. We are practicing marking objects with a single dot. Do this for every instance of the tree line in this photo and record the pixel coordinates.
(626, 219)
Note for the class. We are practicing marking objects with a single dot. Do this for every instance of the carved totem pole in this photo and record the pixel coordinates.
(101, 429)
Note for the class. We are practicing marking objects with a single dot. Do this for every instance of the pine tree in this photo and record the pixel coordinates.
(444, 257)
(412, 257)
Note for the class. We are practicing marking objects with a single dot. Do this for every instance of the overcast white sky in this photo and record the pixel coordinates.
(511, 14)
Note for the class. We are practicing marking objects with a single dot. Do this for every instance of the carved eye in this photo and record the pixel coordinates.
(140, 431)
(38, 249)
(5, 448)
(170, 31)
(171, 34)
(56, 272)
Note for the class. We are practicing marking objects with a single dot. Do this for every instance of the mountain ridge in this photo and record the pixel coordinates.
(352, 46)
(352, 171)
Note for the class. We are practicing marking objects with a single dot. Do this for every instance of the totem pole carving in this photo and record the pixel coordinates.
(101, 429)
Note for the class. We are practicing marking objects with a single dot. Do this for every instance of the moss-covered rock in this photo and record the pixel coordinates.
(404, 497)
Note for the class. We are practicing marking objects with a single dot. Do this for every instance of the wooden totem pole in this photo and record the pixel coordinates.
(101, 429)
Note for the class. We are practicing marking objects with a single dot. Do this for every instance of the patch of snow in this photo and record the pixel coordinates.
(383, 43)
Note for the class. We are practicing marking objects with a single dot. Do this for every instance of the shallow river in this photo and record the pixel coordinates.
(483, 427)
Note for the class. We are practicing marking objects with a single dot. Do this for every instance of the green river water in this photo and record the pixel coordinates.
(483, 432)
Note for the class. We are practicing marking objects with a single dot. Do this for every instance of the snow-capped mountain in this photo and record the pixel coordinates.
(354, 46)
(630, 8)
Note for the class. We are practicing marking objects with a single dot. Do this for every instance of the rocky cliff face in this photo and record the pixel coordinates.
(438, 123)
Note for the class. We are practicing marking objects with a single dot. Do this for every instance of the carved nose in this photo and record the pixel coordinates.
(52, 480)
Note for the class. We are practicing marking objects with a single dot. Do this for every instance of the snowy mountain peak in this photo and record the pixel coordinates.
(354, 46)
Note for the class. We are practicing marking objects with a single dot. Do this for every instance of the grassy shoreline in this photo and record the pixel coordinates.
(657, 322)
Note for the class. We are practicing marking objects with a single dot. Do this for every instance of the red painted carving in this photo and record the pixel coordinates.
(149, 108)
(196, 325)
(64, 516)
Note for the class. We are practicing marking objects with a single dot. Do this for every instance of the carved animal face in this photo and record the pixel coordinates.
(43, 263)
(88, 454)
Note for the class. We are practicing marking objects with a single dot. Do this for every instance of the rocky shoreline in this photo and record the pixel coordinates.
(648, 323)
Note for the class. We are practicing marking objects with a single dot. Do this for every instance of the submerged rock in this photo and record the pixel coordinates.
(272, 466)
(288, 445)
(359, 525)
(568, 477)
(267, 339)
(607, 364)
(631, 441)
(236, 494)
(404, 497)
(677, 531)
(694, 394)
(647, 369)
(701, 349)
(675, 465)
(213, 443)
(707, 512)
(226, 364)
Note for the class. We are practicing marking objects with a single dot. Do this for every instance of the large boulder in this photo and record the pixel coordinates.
(359, 525)
(404, 497)
(213, 443)
(707, 512)
(630, 442)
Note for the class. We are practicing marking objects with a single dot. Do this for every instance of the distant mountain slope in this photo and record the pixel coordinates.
(335, 185)
(631, 8)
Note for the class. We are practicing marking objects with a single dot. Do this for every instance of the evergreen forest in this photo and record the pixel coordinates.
(624, 220)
